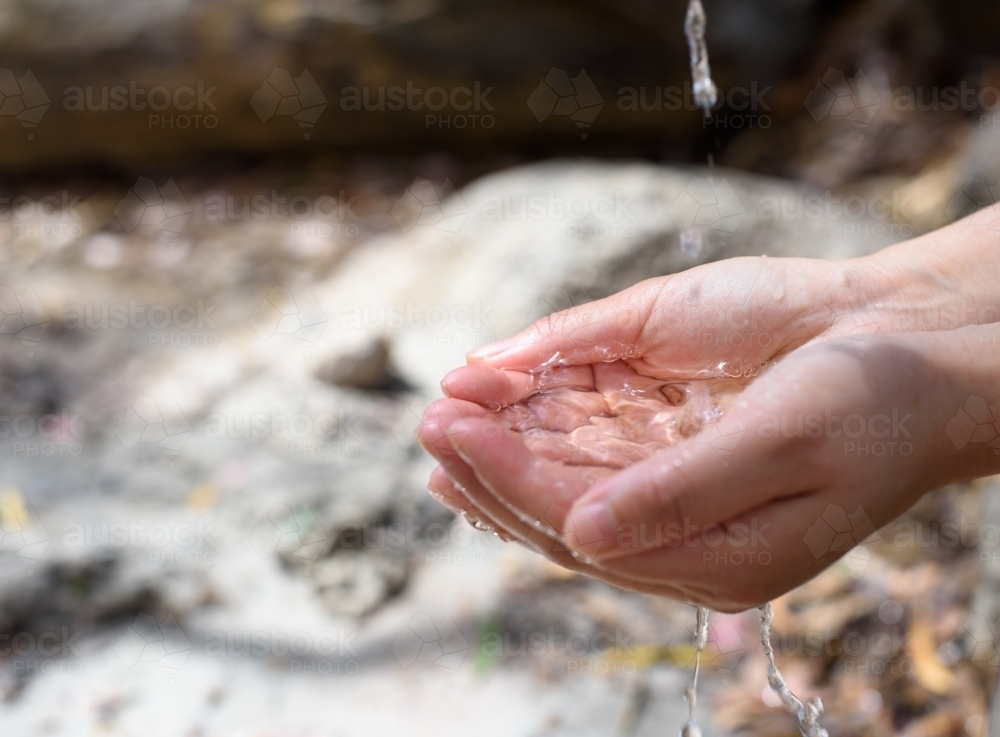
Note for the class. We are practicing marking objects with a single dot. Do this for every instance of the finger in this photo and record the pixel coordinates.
(444, 423)
(494, 388)
(719, 473)
(438, 417)
(452, 478)
(539, 491)
(442, 488)
(493, 514)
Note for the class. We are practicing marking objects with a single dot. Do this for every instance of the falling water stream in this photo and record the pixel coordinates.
(706, 95)
(808, 713)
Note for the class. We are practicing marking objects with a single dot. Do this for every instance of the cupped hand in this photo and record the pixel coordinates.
(621, 438)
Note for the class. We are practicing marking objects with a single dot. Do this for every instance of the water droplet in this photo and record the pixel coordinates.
(692, 239)
(481, 526)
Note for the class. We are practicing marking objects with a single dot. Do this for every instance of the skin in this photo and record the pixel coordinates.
(537, 440)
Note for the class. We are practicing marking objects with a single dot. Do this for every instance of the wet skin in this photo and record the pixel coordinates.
(639, 439)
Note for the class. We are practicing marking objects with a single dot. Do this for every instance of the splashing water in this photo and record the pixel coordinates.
(692, 238)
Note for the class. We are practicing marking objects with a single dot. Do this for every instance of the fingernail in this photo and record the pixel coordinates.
(452, 377)
(490, 350)
(591, 530)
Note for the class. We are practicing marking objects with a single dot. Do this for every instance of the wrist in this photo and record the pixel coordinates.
(964, 399)
(940, 281)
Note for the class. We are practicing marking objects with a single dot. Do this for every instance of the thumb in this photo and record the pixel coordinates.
(670, 499)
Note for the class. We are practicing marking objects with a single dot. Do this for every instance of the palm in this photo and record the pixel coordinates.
(608, 415)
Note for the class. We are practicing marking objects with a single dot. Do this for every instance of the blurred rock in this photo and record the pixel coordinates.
(358, 584)
(368, 368)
